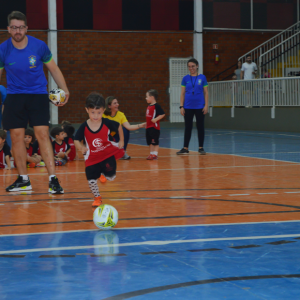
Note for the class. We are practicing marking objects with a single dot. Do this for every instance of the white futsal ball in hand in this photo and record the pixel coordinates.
(57, 96)
(105, 216)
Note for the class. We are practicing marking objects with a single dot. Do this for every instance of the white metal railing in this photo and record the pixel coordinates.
(282, 59)
(271, 43)
(269, 92)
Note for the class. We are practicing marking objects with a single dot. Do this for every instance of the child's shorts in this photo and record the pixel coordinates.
(108, 167)
(152, 136)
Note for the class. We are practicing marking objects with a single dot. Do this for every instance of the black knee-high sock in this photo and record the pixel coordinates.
(94, 187)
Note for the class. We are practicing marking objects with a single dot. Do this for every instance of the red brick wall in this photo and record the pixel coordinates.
(232, 45)
(128, 64)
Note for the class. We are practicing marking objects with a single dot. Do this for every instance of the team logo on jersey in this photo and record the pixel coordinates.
(108, 167)
(97, 143)
(199, 82)
(32, 61)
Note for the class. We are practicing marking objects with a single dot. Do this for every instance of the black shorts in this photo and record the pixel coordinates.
(152, 136)
(21, 109)
(108, 167)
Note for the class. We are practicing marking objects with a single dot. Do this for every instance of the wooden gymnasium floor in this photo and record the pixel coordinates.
(251, 184)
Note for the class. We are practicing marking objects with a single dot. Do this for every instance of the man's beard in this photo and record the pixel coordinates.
(18, 38)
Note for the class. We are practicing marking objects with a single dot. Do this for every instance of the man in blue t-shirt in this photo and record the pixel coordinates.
(23, 57)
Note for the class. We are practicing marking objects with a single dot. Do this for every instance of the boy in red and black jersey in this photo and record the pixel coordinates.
(69, 139)
(4, 152)
(154, 114)
(99, 152)
(60, 148)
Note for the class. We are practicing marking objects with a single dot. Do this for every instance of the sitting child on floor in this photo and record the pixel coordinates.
(60, 147)
(4, 152)
(32, 159)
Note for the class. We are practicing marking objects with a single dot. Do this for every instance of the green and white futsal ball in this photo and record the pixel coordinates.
(105, 216)
(57, 96)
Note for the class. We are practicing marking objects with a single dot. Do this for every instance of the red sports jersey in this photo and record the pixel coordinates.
(29, 150)
(72, 153)
(153, 111)
(98, 143)
(63, 147)
(4, 152)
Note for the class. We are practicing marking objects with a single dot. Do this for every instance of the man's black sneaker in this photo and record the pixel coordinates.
(201, 151)
(19, 185)
(183, 151)
(54, 186)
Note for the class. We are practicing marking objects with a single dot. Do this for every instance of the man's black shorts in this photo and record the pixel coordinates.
(108, 167)
(21, 109)
(152, 136)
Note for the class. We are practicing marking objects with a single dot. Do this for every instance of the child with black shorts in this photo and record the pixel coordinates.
(153, 115)
(60, 148)
(99, 152)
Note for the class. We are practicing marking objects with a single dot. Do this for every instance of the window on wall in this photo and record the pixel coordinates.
(6, 7)
(267, 14)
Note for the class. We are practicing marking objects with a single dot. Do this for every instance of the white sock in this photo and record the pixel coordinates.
(24, 177)
(155, 153)
(152, 152)
(51, 177)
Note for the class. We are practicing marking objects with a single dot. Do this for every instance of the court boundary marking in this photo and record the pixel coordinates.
(151, 227)
(152, 243)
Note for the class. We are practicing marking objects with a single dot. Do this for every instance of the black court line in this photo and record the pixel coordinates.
(158, 252)
(193, 283)
(200, 250)
(12, 256)
(103, 255)
(54, 256)
(244, 247)
(173, 190)
(157, 218)
(281, 242)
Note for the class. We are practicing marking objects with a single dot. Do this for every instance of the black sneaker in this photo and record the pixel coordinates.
(19, 185)
(201, 151)
(54, 186)
(183, 151)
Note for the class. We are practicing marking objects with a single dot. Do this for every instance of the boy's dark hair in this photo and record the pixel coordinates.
(108, 101)
(153, 93)
(65, 122)
(95, 100)
(30, 132)
(249, 55)
(56, 131)
(193, 60)
(69, 130)
(3, 134)
(16, 15)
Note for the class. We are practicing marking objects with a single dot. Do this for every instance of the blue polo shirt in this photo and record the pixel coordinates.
(24, 67)
(3, 96)
(194, 84)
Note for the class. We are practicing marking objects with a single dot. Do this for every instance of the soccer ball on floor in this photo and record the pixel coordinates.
(105, 216)
(57, 96)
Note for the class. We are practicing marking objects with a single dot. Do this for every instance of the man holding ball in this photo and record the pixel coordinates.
(27, 101)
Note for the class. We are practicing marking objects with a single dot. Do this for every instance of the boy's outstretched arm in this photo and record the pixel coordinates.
(121, 135)
(157, 118)
(7, 160)
(80, 147)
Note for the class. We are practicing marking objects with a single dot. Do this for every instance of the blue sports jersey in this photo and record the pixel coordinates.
(194, 97)
(24, 68)
(3, 96)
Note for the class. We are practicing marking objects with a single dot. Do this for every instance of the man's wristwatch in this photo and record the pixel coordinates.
(180, 107)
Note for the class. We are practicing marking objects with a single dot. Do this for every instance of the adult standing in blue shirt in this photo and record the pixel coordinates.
(27, 101)
(3, 94)
(193, 102)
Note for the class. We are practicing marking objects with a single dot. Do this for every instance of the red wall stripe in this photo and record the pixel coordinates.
(37, 14)
(60, 14)
(165, 15)
(107, 14)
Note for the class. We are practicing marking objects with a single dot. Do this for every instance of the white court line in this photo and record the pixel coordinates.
(238, 195)
(175, 197)
(180, 169)
(152, 227)
(291, 192)
(151, 243)
(211, 196)
(85, 200)
(19, 203)
(1, 204)
(121, 199)
(267, 193)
